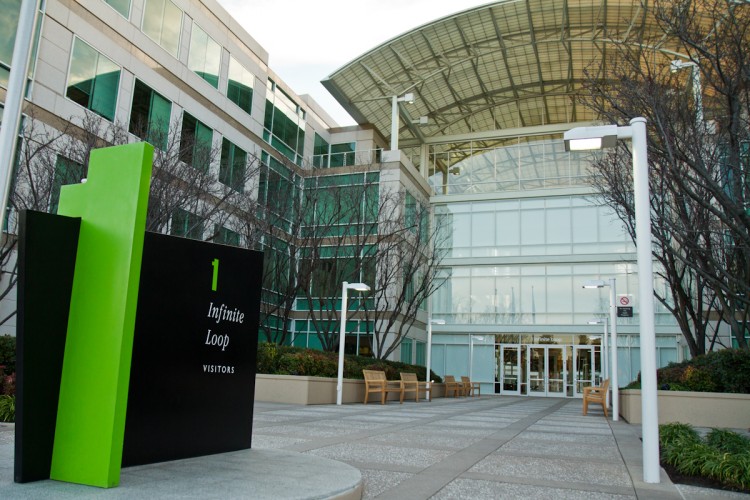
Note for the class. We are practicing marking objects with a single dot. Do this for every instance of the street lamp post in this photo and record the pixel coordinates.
(605, 345)
(428, 379)
(612, 284)
(679, 64)
(603, 136)
(407, 98)
(345, 287)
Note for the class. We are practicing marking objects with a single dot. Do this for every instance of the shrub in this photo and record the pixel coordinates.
(7, 408)
(8, 353)
(727, 441)
(727, 370)
(8, 385)
(724, 456)
(288, 360)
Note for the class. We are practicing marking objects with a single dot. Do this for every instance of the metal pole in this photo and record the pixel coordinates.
(14, 98)
(604, 356)
(342, 334)
(613, 320)
(650, 410)
(429, 358)
(394, 123)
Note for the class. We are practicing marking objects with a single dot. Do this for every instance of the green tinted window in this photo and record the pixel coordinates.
(342, 154)
(284, 125)
(149, 115)
(205, 56)
(8, 27)
(195, 142)
(162, 21)
(186, 225)
(240, 85)
(227, 237)
(66, 172)
(94, 80)
(233, 165)
(320, 152)
(121, 6)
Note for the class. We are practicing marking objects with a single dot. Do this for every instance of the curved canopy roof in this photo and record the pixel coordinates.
(509, 64)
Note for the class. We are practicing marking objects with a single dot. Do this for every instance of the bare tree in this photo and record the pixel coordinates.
(698, 158)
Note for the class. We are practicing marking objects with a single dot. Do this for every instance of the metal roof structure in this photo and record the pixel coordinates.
(505, 65)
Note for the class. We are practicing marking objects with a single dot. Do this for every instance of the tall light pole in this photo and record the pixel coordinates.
(14, 97)
(582, 138)
(345, 287)
(407, 98)
(679, 64)
(428, 376)
(605, 345)
(612, 284)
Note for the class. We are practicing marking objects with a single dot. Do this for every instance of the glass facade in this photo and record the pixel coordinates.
(515, 164)
(162, 22)
(195, 142)
(121, 6)
(226, 236)
(320, 152)
(150, 115)
(240, 85)
(233, 166)
(8, 27)
(66, 172)
(277, 191)
(284, 124)
(93, 81)
(566, 225)
(186, 225)
(205, 56)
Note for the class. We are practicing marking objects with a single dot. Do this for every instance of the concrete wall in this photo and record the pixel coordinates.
(318, 390)
(701, 409)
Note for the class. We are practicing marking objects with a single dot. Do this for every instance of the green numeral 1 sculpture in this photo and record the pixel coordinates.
(96, 369)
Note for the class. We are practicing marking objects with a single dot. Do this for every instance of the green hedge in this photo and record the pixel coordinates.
(727, 370)
(723, 456)
(8, 353)
(285, 360)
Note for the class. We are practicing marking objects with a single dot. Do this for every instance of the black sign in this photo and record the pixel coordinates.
(192, 378)
(624, 312)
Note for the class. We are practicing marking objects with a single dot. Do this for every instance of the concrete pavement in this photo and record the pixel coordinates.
(493, 447)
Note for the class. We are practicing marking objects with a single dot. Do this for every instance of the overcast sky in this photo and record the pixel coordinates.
(308, 40)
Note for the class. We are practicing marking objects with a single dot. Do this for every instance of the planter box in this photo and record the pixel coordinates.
(700, 409)
(318, 390)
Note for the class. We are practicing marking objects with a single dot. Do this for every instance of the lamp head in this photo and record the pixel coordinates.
(594, 284)
(589, 138)
(359, 287)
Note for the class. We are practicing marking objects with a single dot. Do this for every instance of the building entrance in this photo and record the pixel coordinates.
(546, 370)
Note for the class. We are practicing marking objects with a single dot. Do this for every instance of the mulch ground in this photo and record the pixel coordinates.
(703, 482)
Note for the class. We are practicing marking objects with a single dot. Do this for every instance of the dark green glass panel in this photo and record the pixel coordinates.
(232, 166)
(8, 27)
(239, 86)
(66, 172)
(205, 56)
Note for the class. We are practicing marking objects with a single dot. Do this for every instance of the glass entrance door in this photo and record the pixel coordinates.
(584, 368)
(546, 370)
(509, 369)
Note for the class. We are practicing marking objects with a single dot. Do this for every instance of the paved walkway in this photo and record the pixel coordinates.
(474, 448)
(493, 447)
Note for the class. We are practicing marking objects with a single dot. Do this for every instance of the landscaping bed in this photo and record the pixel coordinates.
(719, 460)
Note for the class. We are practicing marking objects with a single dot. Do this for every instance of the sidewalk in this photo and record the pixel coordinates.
(475, 448)
(493, 447)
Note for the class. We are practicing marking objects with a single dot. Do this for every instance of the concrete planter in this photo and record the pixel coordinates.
(701, 409)
(317, 390)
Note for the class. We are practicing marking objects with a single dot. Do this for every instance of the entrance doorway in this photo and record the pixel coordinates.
(546, 370)
(584, 369)
(508, 369)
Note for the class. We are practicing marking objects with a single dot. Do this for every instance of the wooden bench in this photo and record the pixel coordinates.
(410, 383)
(452, 387)
(471, 388)
(596, 394)
(375, 382)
